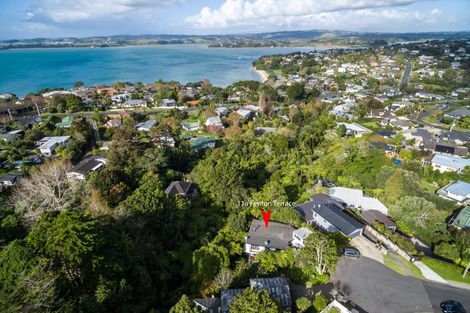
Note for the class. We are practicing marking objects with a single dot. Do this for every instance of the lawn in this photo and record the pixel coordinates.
(369, 123)
(448, 271)
(392, 264)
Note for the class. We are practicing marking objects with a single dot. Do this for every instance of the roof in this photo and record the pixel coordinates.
(146, 125)
(215, 120)
(355, 127)
(181, 188)
(66, 121)
(462, 220)
(88, 165)
(11, 178)
(454, 135)
(277, 287)
(276, 236)
(331, 210)
(454, 162)
(211, 305)
(373, 216)
(303, 232)
(387, 133)
(448, 148)
(226, 298)
(52, 141)
(423, 133)
(355, 197)
(459, 113)
(460, 188)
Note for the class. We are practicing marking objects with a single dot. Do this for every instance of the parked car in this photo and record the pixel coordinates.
(351, 252)
(451, 306)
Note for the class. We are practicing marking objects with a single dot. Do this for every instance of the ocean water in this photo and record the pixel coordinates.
(30, 70)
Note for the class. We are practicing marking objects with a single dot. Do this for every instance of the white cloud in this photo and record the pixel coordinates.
(317, 13)
(66, 11)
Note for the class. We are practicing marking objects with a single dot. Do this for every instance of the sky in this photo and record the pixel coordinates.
(20, 19)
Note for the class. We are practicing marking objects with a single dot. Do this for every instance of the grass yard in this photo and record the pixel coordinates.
(448, 271)
(390, 262)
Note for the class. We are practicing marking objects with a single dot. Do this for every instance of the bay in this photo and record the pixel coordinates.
(30, 70)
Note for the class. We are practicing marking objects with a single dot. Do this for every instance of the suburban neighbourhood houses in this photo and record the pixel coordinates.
(458, 191)
(447, 163)
(355, 198)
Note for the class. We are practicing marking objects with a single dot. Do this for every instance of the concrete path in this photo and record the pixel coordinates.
(429, 274)
(367, 248)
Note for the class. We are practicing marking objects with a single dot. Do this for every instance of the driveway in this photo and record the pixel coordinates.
(376, 288)
(367, 248)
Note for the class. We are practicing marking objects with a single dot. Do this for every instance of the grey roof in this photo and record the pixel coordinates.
(332, 211)
(276, 236)
(383, 145)
(11, 178)
(303, 232)
(459, 113)
(277, 287)
(373, 216)
(88, 165)
(444, 147)
(454, 135)
(387, 133)
(181, 188)
(460, 188)
(210, 305)
(423, 133)
(227, 297)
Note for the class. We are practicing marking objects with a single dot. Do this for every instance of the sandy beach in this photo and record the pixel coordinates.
(263, 76)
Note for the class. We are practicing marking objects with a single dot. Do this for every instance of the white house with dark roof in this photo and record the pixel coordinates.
(86, 167)
(277, 236)
(9, 180)
(328, 214)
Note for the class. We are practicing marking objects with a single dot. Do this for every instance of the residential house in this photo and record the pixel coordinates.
(181, 188)
(260, 238)
(446, 148)
(328, 214)
(200, 143)
(191, 126)
(389, 149)
(447, 163)
(12, 135)
(85, 167)
(374, 216)
(419, 135)
(278, 289)
(209, 305)
(214, 124)
(66, 122)
(355, 198)
(49, 144)
(389, 134)
(402, 124)
(459, 138)
(355, 129)
(458, 113)
(221, 111)
(245, 114)
(168, 103)
(299, 236)
(462, 219)
(9, 180)
(145, 126)
(135, 103)
(458, 191)
(116, 122)
(165, 141)
(227, 297)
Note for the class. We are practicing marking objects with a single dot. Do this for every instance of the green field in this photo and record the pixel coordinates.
(448, 271)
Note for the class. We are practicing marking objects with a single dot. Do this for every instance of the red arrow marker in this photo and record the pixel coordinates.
(266, 217)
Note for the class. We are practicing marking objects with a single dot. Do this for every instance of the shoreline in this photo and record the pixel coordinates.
(263, 76)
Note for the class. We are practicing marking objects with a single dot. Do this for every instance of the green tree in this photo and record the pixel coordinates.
(296, 91)
(319, 253)
(303, 304)
(252, 300)
(184, 305)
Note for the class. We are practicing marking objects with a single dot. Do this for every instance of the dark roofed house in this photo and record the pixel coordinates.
(276, 237)
(446, 148)
(458, 113)
(277, 287)
(181, 188)
(374, 216)
(387, 133)
(227, 297)
(210, 305)
(328, 214)
(85, 167)
(9, 180)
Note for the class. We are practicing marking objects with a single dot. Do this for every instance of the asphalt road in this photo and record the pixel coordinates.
(378, 289)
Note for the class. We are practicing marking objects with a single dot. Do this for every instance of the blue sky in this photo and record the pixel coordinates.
(63, 18)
